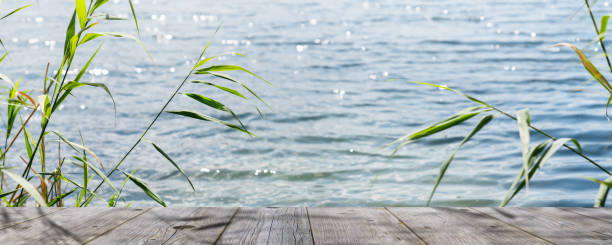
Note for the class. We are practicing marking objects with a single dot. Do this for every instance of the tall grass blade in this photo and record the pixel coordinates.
(96, 5)
(576, 151)
(70, 33)
(604, 25)
(226, 89)
(72, 85)
(97, 171)
(602, 194)
(145, 187)
(207, 101)
(173, 163)
(203, 61)
(450, 122)
(15, 11)
(483, 122)
(88, 37)
(134, 16)
(228, 68)
(3, 56)
(522, 120)
(589, 66)
(199, 116)
(27, 187)
(549, 149)
(76, 146)
(81, 9)
(231, 79)
(62, 196)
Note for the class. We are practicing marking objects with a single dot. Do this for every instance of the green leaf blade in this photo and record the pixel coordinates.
(145, 187)
(81, 10)
(483, 122)
(174, 164)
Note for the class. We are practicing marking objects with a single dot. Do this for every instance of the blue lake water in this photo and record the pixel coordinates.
(332, 106)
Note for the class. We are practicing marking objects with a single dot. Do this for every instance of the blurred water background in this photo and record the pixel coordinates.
(332, 106)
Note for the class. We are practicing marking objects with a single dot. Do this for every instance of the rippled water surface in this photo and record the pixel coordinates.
(332, 105)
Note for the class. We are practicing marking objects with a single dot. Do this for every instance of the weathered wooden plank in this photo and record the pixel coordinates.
(555, 225)
(358, 226)
(13, 216)
(603, 214)
(204, 226)
(461, 226)
(70, 226)
(160, 225)
(268, 226)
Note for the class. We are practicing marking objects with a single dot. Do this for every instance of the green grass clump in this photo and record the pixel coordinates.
(43, 180)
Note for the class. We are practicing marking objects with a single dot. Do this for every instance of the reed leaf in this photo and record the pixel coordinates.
(76, 146)
(3, 195)
(96, 5)
(62, 196)
(602, 194)
(450, 122)
(97, 171)
(69, 33)
(604, 26)
(134, 16)
(3, 56)
(26, 186)
(589, 67)
(522, 120)
(15, 11)
(81, 9)
(199, 116)
(228, 68)
(203, 61)
(86, 66)
(73, 84)
(542, 153)
(173, 163)
(207, 101)
(145, 187)
(89, 36)
(483, 122)
(231, 79)
(226, 89)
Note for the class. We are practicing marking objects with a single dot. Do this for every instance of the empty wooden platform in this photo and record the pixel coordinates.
(306, 226)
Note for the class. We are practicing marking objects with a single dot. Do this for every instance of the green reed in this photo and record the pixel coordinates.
(42, 179)
(532, 157)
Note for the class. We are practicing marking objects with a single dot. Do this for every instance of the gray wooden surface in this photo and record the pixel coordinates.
(392, 225)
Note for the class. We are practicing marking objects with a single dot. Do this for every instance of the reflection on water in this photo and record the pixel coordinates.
(332, 104)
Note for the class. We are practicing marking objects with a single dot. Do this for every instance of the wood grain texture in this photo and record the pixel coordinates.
(12, 216)
(204, 227)
(306, 226)
(555, 225)
(358, 226)
(167, 225)
(268, 226)
(70, 226)
(461, 226)
(603, 214)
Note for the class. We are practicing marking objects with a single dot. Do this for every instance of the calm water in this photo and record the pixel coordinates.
(332, 106)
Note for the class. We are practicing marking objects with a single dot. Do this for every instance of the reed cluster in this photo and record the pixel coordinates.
(533, 157)
(43, 180)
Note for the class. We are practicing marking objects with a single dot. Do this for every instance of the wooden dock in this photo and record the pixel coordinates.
(305, 226)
